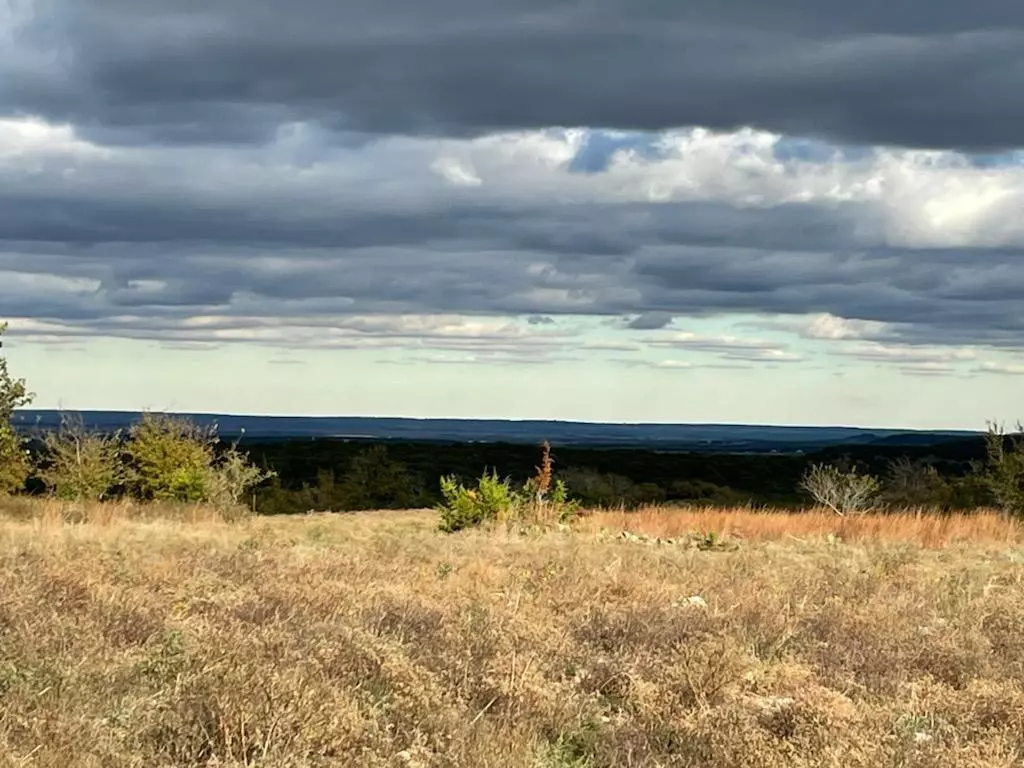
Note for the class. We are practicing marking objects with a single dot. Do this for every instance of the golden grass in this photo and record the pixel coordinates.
(925, 528)
(373, 640)
(49, 512)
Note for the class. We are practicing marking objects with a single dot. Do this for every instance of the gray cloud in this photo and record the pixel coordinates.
(925, 74)
(650, 321)
(332, 221)
(676, 259)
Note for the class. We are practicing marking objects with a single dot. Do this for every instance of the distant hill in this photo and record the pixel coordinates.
(710, 438)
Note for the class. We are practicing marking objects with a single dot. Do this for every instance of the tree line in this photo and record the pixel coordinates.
(168, 458)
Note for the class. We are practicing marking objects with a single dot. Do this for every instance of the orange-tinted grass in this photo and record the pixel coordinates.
(926, 528)
(51, 512)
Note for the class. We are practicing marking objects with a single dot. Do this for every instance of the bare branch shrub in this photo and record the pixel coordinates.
(844, 492)
(232, 475)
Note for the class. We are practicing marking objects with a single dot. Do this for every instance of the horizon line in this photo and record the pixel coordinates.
(207, 414)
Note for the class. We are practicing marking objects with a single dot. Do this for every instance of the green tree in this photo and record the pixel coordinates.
(910, 483)
(169, 459)
(375, 481)
(14, 461)
(1005, 470)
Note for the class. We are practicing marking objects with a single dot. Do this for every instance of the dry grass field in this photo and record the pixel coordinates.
(172, 638)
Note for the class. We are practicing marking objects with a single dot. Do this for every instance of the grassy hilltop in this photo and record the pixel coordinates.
(161, 635)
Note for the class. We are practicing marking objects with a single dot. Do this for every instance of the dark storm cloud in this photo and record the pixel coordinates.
(943, 73)
(174, 254)
(138, 242)
(672, 260)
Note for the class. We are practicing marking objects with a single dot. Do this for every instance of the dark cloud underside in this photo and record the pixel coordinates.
(919, 73)
(304, 206)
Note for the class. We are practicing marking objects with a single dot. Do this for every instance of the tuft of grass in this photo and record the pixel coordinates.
(134, 637)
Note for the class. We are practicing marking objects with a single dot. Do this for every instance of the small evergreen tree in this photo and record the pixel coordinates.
(376, 481)
(1005, 471)
(170, 458)
(911, 483)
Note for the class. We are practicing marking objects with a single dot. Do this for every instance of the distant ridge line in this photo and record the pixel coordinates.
(702, 437)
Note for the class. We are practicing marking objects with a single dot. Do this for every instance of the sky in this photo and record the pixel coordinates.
(733, 211)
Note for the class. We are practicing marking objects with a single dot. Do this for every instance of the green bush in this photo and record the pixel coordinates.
(169, 459)
(375, 481)
(972, 491)
(78, 465)
(492, 500)
(543, 500)
(173, 459)
(14, 461)
(1004, 473)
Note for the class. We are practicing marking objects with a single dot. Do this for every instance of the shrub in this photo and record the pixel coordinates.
(375, 481)
(79, 465)
(14, 462)
(842, 491)
(174, 459)
(542, 500)
(232, 476)
(972, 491)
(493, 499)
(1004, 473)
(911, 483)
(169, 459)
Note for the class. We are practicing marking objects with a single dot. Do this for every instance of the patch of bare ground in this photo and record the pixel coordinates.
(373, 640)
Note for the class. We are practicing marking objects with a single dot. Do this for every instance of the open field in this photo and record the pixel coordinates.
(372, 640)
(921, 527)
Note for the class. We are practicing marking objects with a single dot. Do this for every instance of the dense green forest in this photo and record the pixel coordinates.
(350, 474)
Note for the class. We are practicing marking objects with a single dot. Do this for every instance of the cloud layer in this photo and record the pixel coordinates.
(466, 180)
(942, 74)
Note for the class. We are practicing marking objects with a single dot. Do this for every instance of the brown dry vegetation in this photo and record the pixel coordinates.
(373, 640)
(920, 527)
